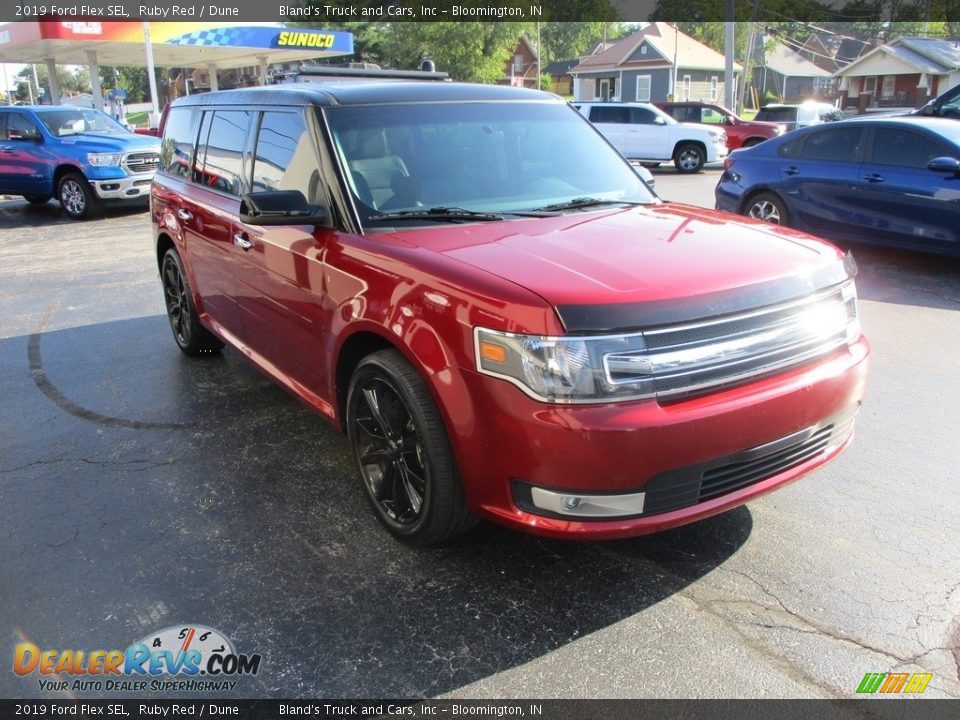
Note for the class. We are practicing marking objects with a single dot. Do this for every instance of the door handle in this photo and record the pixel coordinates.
(791, 171)
(241, 242)
(184, 214)
(874, 178)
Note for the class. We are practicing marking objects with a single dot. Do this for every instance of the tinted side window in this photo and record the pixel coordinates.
(836, 144)
(176, 152)
(607, 114)
(904, 148)
(642, 116)
(223, 162)
(284, 158)
(20, 127)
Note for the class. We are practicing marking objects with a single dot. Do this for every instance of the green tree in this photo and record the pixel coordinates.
(70, 83)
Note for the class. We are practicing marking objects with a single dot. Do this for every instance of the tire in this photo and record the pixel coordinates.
(650, 165)
(751, 142)
(37, 199)
(77, 197)
(192, 337)
(689, 158)
(402, 452)
(767, 207)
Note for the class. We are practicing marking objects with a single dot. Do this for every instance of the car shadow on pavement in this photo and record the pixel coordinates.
(18, 213)
(906, 277)
(140, 490)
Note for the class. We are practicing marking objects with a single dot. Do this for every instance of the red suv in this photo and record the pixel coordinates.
(740, 133)
(504, 320)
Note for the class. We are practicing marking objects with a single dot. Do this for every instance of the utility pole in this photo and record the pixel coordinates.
(728, 79)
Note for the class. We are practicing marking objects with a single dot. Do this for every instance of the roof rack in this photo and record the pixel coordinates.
(307, 74)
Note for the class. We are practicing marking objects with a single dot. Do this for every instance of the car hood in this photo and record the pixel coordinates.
(645, 265)
(107, 143)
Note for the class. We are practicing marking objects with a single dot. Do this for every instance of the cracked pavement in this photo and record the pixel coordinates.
(140, 489)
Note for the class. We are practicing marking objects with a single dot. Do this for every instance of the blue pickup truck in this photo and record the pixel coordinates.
(79, 155)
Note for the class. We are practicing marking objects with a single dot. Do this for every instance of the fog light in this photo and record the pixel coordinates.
(541, 501)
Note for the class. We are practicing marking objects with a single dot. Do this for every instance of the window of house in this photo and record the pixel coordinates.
(643, 88)
(686, 87)
(888, 86)
(869, 86)
(713, 87)
(518, 63)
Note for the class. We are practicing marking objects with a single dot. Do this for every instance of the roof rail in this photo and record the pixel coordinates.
(307, 74)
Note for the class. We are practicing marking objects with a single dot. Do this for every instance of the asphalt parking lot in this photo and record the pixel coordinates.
(140, 490)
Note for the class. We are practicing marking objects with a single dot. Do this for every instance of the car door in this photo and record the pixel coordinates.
(280, 278)
(611, 121)
(646, 138)
(24, 159)
(819, 177)
(207, 210)
(903, 200)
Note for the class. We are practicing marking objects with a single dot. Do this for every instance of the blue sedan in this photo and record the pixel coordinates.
(890, 181)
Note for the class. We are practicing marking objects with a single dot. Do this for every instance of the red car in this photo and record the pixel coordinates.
(504, 320)
(740, 133)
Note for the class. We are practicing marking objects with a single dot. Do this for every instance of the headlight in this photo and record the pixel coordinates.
(675, 360)
(563, 369)
(104, 159)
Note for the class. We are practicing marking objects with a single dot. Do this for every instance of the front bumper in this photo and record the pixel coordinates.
(511, 443)
(129, 187)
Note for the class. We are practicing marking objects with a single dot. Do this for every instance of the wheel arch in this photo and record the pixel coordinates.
(63, 169)
(699, 143)
(164, 243)
(753, 192)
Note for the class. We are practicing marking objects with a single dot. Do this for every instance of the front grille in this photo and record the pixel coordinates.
(680, 488)
(141, 162)
(697, 357)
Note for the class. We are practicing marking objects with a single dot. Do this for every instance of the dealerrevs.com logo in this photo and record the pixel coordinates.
(180, 658)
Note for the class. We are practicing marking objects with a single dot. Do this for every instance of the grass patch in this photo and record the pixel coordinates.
(139, 118)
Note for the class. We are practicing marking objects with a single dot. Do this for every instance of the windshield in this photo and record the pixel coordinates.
(497, 158)
(81, 120)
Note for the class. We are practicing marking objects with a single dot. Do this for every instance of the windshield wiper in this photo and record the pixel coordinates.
(438, 213)
(584, 202)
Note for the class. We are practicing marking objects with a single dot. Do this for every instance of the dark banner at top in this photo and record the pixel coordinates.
(332, 12)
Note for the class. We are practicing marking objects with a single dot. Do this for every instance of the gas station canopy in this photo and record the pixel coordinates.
(175, 44)
(166, 44)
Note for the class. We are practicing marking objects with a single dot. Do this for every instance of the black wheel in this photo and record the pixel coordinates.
(689, 158)
(192, 337)
(402, 452)
(751, 142)
(37, 199)
(767, 207)
(77, 197)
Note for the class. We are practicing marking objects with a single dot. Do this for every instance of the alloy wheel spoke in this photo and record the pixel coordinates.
(373, 400)
(412, 495)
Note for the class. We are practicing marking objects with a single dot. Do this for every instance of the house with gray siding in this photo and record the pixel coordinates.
(643, 67)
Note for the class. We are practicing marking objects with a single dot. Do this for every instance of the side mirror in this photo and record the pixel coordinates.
(659, 121)
(945, 165)
(729, 120)
(281, 207)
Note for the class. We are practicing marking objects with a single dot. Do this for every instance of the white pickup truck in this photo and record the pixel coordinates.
(644, 133)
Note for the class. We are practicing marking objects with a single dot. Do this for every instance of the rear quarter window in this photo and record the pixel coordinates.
(179, 137)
